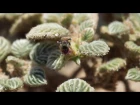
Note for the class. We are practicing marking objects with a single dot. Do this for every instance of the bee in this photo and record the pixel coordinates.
(64, 45)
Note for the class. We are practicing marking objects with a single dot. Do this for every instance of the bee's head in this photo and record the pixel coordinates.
(64, 42)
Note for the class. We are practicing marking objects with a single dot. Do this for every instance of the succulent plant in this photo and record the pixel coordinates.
(55, 60)
(25, 22)
(47, 31)
(75, 85)
(87, 30)
(104, 46)
(95, 48)
(133, 74)
(4, 48)
(18, 67)
(41, 51)
(11, 17)
(51, 17)
(132, 47)
(1, 88)
(79, 18)
(112, 65)
(36, 77)
(11, 84)
(117, 27)
(21, 48)
(63, 19)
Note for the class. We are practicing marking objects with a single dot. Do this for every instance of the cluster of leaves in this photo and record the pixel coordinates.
(123, 35)
(25, 60)
(29, 47)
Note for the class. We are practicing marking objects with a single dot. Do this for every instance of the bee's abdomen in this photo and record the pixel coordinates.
(65, 50)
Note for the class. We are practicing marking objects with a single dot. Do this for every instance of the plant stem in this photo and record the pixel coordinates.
(127, 87)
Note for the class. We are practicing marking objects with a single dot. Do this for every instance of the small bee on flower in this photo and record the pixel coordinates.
(65, 45)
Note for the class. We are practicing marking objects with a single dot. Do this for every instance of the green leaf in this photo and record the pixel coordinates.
(4, 48)
(36, 77)
(41, 51)
(9, 17)
(132, 47)
(47, 31)
(1, 88)
(112, 65)
(95, 48)
(75, 85)
(51, 17)
(55, 60)
(66, 19)
(117, 27)
(24, 23)
(77, 60)
(133, 74)
(87, 24)
(87, 30)
(88, 34)
(20, 66)
(21, 48)
(80, 17)
(11, 84)
(135, 19)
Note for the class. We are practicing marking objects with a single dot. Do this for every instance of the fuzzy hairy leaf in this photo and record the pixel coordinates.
(4, 48)
(118, 16)
(63, 19)
(66, 19)
(11, 17)
(133, 74)
(2, 83)
(75, 85)
(55, 60)
(51, 17)
(11, 84)
(135, 19)
(36, 77)
(132, 47)
(95, 48)
(80, 17)
(87, 24)
(47, 31)
(24, 23)
(87, 30)
(117, 27)
(113, 65)
(41, 51)
(21, 48)
(77, 60)
(88, 34)
(20, 66)
(1, 88)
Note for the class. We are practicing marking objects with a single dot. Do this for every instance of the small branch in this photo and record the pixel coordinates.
(3, 66)
(87, 69)
(127, 87)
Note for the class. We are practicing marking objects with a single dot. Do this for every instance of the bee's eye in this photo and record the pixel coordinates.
(59, 42)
